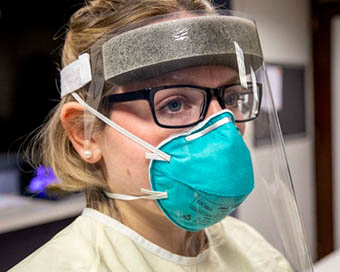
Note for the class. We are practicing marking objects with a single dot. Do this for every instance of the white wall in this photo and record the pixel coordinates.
(285, 36)
(336, 123)
(283, 28)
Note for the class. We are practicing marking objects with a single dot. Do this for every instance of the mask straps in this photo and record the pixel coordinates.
(156, 153)
(148, 195)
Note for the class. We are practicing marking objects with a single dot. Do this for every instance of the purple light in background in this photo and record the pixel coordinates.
(43, 178)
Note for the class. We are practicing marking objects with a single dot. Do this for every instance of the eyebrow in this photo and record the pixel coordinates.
(152, 83)
(192, 81)
(233, 79)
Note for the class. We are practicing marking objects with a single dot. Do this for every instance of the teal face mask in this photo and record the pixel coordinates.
(209, 174)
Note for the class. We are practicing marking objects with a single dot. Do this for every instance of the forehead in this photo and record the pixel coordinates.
(206, 76)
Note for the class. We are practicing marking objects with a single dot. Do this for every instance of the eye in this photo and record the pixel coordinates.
(174, 105)
(231, 99)
(178, 106)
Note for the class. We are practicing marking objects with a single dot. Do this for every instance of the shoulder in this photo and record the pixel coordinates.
(237, 229)
(253, 247)
(70, 250)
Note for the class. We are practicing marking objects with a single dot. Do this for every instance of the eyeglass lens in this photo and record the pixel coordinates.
(180, 106)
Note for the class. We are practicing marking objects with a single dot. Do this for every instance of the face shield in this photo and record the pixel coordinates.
(179, 65)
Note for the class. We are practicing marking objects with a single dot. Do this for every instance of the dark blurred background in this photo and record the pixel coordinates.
(29, 54)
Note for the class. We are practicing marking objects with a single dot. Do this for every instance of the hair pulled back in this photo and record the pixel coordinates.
(51, 146)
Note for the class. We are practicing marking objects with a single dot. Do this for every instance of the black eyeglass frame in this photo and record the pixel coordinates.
(149, 94)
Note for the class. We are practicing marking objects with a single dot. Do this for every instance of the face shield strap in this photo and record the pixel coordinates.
(75, 75)
(94, 92)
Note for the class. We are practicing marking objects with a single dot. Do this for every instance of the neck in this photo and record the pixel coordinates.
(156, 228)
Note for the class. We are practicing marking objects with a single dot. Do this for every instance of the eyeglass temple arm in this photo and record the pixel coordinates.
(130, 96)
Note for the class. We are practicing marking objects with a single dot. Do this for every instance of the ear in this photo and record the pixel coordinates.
(72, 119)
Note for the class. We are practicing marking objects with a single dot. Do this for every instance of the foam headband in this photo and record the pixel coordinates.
(162, 47)
(167, 46)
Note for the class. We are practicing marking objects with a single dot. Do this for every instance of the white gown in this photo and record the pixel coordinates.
(96, 242)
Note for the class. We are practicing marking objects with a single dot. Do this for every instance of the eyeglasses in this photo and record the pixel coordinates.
(180, 106)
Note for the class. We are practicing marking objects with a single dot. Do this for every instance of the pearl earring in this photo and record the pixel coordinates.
(88, 154)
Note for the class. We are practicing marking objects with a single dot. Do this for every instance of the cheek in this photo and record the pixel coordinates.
(125, 163)
(124, 160)
(136, 117)
(241, 127)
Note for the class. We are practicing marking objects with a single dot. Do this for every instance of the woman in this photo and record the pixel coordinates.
(155, 93)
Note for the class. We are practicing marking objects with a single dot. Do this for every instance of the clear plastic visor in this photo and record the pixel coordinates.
(177, 70)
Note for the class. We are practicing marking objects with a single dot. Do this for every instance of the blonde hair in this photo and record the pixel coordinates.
(51, 146)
